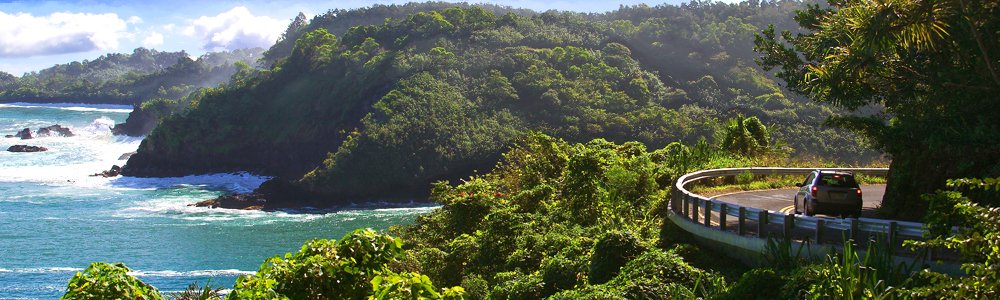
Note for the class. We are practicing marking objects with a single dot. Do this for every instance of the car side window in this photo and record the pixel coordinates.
(809, 179)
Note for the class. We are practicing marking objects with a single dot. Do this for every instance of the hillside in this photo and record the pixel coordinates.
(380, 111)
(120, 78)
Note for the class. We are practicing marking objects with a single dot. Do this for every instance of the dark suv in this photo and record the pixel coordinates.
(829, 192)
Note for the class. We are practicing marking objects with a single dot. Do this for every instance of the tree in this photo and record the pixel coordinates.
(746, 136)
(108, 281)
(932, 65)
(6, 80)
(293, 31)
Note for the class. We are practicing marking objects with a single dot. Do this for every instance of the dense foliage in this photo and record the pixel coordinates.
(934, 66)
(121, 78)
(355, 267)
(562, 220)
(108, 281)
(382, 110)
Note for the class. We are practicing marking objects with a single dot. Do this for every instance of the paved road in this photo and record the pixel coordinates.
(781, 200)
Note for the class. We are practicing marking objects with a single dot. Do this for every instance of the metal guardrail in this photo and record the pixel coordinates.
(688, 204)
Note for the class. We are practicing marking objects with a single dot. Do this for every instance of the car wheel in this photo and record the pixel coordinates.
(795, 203)
(806, 208)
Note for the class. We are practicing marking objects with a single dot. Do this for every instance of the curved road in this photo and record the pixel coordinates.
(781, 199)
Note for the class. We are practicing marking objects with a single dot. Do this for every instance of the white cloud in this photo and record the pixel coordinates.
(152, 40)
(134, 20)
(23, 34)
(235, 29)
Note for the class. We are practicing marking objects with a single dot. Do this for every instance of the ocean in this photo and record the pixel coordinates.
(55, 219)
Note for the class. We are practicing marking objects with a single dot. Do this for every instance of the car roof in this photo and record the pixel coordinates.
(835, 172)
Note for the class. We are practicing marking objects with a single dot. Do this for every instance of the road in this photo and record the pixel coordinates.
(781, 200)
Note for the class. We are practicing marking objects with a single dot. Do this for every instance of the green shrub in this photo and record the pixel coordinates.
(434, 263)
(560, 273)
(591, 292)
(744, 178)
(663, 266)
(517, 286)
(798, 282)
(197, 292)
(409, 286)
(108, 281)
(476, 288)
(461, 252)
(611, 252)
(756, 284)
(333, 269)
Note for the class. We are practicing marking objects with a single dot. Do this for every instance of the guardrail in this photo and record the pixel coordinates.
(699, 209)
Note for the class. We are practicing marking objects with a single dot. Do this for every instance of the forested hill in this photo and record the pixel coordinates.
(121, 78)
(382, 110)
(339, 21)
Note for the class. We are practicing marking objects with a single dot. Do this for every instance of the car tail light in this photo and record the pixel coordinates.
(859, 192)
(814, 191)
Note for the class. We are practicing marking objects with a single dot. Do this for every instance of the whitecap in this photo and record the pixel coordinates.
(43, 270)
(118, 108)
(194, 273)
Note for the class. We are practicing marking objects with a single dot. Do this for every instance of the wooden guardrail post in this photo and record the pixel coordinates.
(854, 229)
(673, 199)
(893, 228)
(741, 225)
(708, 213)
(788, 224)
(684, 207)
(723, 211)
(762, 223)
(820, 224)
(694, 209)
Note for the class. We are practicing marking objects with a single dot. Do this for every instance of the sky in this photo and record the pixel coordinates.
(39, 34)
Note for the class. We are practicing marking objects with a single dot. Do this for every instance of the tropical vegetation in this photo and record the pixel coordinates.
(570, 105)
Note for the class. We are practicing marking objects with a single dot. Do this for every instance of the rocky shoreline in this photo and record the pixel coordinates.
(274, 194)
(26, 148)
(281, 195)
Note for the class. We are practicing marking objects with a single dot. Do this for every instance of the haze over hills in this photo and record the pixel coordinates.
(120, 78)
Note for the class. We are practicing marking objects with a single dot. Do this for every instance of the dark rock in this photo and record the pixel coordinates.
(125, 156)
(57, 129)
(26, 148)
(249, 201)
(9, 136)
(113, 172)
(24, 134)
(271, 195)
(138, 123)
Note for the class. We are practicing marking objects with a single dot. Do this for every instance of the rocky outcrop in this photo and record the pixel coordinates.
(59, 130)
(24, 134)
(54, 129)
(138, 123)
(113, 172)
(26, 148)
(125, 156)
(273, 194)
(249, 201)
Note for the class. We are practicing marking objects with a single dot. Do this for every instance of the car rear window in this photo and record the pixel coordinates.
(837, 180)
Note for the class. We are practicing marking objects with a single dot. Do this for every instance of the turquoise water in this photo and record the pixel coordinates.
(55, 219)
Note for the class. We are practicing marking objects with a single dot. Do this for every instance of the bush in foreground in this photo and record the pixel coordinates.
(108, 281)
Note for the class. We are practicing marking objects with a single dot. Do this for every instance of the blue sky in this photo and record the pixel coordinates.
(38, 34)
